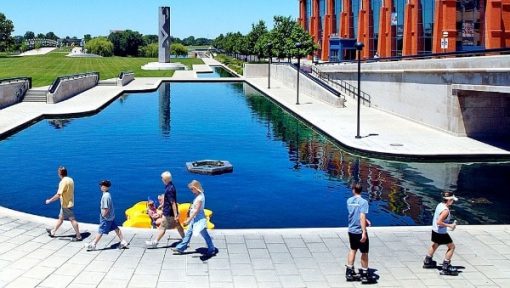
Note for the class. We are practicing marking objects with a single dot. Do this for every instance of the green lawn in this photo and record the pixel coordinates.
(45, 68)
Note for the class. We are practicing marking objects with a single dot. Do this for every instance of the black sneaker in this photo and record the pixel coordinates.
(449, 270)
(428, 263)
(351, 275)
(367, 277)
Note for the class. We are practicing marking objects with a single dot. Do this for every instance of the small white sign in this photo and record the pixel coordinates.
(444, 43)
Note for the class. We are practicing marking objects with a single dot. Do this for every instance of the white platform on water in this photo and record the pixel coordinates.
(163, 66)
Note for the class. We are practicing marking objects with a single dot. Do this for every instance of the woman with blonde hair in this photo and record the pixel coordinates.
(196, 221)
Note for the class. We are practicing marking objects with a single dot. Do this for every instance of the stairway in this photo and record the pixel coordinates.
(35, 96)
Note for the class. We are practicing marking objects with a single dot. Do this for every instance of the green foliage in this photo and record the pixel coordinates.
(6, 28)
(232, 63)
(100, 46)
(45, 68)
(178, 49)
(283, 37)
(29, 35)
(150, 39)
(87, 38)
(40, 36)
(150, 50)
(126, 43)
(37, 45)
(51, 35)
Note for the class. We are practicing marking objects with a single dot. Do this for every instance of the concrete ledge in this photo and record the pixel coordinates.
(12, 92)
(71, 86)
(125, 78)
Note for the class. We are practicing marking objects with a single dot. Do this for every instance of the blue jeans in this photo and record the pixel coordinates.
(187, 238)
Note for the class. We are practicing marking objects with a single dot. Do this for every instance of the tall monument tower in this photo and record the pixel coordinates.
(164, 35)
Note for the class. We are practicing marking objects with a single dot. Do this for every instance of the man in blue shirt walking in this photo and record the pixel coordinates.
(357, 208)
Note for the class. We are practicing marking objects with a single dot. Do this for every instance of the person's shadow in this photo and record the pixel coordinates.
(72, 237)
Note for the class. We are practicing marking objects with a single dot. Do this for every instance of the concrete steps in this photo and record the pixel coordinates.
(107, 83)
(33, 95)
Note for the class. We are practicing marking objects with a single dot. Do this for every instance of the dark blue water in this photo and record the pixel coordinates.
(218, 72)
(285, 174)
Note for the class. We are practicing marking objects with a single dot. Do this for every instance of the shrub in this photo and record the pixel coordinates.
(100, 46)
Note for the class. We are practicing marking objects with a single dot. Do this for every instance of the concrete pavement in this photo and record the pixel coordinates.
(246, 258)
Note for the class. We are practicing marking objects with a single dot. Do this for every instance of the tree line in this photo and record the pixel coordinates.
(280, 42)
(118, 43)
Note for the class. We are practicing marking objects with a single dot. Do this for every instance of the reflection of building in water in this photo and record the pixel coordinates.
(59, 123)
(403, 188)
(164, 108)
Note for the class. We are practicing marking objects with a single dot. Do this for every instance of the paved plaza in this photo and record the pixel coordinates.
(246, 258)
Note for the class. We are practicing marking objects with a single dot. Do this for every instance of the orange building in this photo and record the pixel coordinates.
(404, 27)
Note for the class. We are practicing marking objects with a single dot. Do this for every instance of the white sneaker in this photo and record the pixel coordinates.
(123, 244)
(90, 246)
(151, 244)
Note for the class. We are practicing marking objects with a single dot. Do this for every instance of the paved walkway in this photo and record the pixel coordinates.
(40, 51)
(381, 132)
(246, 258)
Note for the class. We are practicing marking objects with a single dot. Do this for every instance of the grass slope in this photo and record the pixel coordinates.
(45, 68)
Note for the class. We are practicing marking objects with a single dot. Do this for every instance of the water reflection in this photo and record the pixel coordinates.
(404, 188)
(164, 108)
(59, 123)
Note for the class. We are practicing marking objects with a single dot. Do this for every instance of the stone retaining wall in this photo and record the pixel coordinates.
(70, 87)
(126, 78)
(288, 76)
(12, 92)
(421, 90)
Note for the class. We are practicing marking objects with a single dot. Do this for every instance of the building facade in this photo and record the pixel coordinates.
(404, 27)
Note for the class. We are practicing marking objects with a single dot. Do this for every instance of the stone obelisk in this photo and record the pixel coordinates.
(164, 35)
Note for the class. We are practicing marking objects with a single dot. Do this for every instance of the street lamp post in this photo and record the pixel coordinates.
(359, 46)
(298, 55)
(269, 48)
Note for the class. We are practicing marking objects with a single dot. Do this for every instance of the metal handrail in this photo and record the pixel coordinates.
(343, 85)
(13, 79)
(320, 83)
(59, 79)
(422, 56)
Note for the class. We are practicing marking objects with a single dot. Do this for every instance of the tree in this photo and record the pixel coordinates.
(178, 49)
(40, 36)
(261, 47)
(149, 39)
(302, 36)
(6, 28)
(283, 27)
(29, 35)
(218, 42)
(257, 31)
(51, 35)
(150, 50)
(100, 46)
(188, 41)
(126, 43)
(87, 38)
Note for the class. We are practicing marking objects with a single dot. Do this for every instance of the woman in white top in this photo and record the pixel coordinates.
(196, 221)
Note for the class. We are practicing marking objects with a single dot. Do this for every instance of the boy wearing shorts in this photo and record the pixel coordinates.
(106, 218)
(357, 208)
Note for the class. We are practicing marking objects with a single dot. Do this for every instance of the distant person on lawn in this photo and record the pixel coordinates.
(65, 193)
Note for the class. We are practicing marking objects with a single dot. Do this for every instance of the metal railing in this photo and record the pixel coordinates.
(314, 79)
(59, 79)
(16, 79)
(482, 52)
(343, 86)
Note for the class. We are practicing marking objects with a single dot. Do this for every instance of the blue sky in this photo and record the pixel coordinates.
(200, 18)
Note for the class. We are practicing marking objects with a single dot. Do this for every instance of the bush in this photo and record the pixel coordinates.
(178, 49)
(149, 51)
(100, 46)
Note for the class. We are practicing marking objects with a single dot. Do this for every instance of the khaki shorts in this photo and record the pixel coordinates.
(169, 223)
(66, 213)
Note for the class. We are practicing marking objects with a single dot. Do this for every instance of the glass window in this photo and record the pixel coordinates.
(355, 15)
(427, 9)
(308, 13)
(398, 22)
(338, 12)
(470, 24)
(375, 5)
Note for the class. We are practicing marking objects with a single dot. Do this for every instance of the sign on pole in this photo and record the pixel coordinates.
(444, 43)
